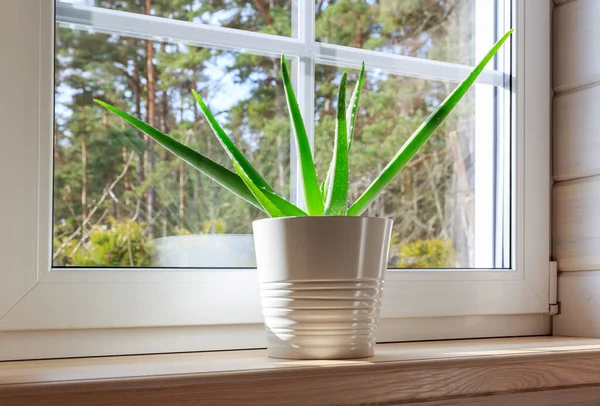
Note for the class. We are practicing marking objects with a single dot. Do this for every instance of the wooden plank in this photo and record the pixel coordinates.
(559, 2)
(576, 141)
(576, 224)
(561, 397)
(100, 368)
(579, 296)
(399, 373)
(576, 35)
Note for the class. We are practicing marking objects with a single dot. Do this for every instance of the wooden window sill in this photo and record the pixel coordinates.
(436, 373)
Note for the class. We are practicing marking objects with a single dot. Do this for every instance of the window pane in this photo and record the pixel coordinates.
(443, 30)
(267, 16)
(442, 216)
(120, 200)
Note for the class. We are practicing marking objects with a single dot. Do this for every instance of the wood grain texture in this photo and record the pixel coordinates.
(576, 140)
(576, 35)
(579, 296)
(561, 2)
(589, 396)
(576, 224)
(400, 373)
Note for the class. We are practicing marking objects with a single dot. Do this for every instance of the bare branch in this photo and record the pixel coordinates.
(86, 236)
(107, 191)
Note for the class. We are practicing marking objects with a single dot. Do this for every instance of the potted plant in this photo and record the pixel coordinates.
(320, 269)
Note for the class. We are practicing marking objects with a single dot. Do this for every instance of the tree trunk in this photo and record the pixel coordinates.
(84, 210)
(264, 11)
(195, 219)
(138, 113)
(164, 101)
(194, 104)
(280, 142)
(127, 181)
(194, 175)
(182, 168)
(57, 159)
(115, 208)
(151, 121)
(55, 146)
(137, 88)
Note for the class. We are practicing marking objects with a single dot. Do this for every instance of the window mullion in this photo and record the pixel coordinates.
(505, 12)
(305, 83)
(142, 26)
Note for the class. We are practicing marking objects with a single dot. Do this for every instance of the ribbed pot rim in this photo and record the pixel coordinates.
(322, 218)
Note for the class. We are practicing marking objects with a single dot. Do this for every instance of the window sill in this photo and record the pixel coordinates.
(423, 372)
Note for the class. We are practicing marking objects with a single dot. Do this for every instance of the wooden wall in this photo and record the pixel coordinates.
(576, 165)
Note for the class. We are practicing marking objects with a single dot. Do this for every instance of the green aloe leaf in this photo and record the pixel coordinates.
(336, 203)
(234, 153)
(351, 114)
(421, 135)
(310, 183)
(274, 205)
(129, 139)
(213, 170)
(353, 105)
(326, 184)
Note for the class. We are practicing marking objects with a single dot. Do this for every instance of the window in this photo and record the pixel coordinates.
(131, 243)
(121, 201)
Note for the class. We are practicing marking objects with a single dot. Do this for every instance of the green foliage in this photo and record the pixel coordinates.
(129, 139)
(121, 243)
(229, 146)
(308, 173)
(218, 226)
(210, 168)
(351, 115)
(337, 194)
(336, 200)
(422, 134)
(245, 93)
(433, 253)
(273, 204)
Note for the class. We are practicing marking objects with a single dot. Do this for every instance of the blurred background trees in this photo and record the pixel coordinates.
(115, 191)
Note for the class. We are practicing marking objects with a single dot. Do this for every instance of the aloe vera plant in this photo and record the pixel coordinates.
(331, 197)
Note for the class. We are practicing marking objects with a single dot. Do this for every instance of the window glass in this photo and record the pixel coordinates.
(116, 194)
(433, 201)
(266, 16)
(434, 29)
(122, 201)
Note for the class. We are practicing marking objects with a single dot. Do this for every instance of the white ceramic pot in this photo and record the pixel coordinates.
(321, 284)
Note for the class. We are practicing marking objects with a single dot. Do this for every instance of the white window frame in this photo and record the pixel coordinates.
(47, 312)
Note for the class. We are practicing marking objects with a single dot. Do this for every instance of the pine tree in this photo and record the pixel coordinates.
(153, 80)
